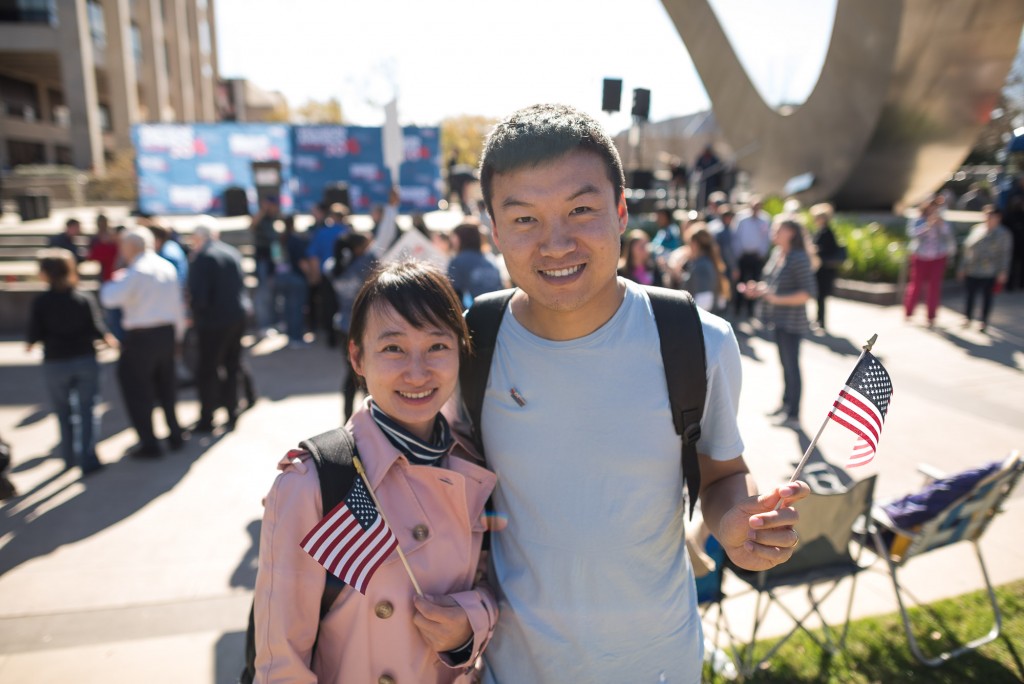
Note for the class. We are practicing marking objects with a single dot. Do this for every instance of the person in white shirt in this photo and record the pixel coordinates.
(752, 241)
(147, 292)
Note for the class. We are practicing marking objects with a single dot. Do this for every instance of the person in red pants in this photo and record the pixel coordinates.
(931, 243)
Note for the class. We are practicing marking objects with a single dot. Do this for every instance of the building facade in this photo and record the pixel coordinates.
(75, 75)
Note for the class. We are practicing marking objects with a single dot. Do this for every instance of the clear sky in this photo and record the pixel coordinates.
(450, 57)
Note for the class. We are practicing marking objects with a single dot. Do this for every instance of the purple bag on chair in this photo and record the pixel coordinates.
(922, 506)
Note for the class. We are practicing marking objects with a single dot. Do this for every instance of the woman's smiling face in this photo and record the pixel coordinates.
(410, 372)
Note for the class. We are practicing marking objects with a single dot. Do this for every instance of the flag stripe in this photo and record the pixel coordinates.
(861, 409)
(354, 551)
(372, 559)
(852, 428)
(340, 541)
(325, 534)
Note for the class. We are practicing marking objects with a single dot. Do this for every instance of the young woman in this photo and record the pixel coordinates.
(636, 262)
(68, 323)
(788, 284)
(405, 339)
(704, 273)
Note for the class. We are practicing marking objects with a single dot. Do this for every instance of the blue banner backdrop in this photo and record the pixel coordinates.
(185, 169)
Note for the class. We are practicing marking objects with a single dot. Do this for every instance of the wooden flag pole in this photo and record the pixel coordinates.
(380, 511)
(807, 454)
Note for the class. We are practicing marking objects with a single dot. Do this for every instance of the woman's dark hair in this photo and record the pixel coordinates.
(59, 267)
(627, 263)
(418, 292)
(796, 242)
(346, 249)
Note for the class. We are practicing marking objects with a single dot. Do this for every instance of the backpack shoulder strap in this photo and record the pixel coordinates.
(483, 319)
(682, 353)
(332, 453)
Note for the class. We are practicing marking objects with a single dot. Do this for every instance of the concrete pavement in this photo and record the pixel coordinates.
(144, 571)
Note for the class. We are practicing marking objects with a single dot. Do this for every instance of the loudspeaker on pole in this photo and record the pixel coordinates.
(641, 103)
(612, 97)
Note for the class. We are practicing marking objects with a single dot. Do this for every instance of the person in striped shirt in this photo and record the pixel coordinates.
(788, 282)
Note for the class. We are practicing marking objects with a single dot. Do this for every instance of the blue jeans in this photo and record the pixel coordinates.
(290, 292)
(74, 390)
(263, 298)
(113, 318)
(789, 355)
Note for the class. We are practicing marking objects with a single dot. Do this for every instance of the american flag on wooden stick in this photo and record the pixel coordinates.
(352, 540)
(862, 406)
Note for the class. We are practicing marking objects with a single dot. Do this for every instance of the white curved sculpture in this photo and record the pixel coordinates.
(905, 88)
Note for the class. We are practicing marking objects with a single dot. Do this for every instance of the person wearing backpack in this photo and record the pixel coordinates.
(405, 338)
(575, 419)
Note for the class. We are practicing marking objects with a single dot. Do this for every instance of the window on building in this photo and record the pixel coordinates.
(19, 99)
(137, 50)
(63, 154)
(59, 112)
(204, 37)
(24, 152)
(104, 112)
(167, 59)
(97, 26)
(29, 11)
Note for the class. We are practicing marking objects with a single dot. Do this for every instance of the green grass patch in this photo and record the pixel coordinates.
(877, 650)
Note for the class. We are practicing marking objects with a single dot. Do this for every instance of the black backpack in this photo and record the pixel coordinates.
(682, 353)
(332, 453)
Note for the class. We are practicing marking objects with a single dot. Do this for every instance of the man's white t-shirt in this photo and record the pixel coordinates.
(593, 577)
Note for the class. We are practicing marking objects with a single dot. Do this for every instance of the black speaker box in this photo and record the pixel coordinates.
(236, 202)
(612, 99)
(336, 192)
(641, 103)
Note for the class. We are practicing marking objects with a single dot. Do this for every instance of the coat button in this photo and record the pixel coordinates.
(420, 532)
(385, 679)
(384, 610)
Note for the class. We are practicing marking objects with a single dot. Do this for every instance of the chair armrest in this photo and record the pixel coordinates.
(901, 538)
(930, 472)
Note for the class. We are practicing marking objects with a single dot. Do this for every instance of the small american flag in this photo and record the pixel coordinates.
(352, 540)
(862, 405)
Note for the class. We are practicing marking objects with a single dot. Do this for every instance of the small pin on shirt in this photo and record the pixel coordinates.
(517, 397)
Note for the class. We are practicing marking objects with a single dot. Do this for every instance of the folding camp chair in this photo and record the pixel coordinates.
(709, 600)
(822, 559)
(964, 519)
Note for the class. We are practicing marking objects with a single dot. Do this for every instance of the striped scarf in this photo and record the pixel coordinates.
(416, 450)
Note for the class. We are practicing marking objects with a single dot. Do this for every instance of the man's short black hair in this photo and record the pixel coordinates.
(542, 133)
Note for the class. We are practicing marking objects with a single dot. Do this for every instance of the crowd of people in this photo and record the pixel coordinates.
(178, 307)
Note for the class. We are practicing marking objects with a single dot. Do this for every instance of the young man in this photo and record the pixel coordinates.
(594, 579)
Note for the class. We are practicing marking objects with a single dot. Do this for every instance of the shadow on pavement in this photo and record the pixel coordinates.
(37, 527)
(1000, 350)
(228, 657)
(819, 473)
(245, 574)
(837, 345)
